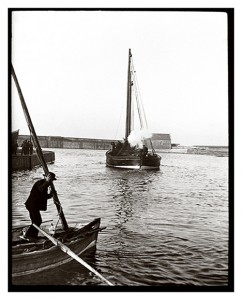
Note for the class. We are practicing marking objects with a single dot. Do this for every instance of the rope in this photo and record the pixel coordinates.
(140, 105)
(61, 210)
(57, 223)
(116, 134)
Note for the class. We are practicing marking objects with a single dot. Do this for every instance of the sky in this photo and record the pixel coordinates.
(72, 69)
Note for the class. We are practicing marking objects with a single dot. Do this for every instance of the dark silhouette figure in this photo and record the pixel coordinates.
(14, 148)
(113, 149)
(36, 202)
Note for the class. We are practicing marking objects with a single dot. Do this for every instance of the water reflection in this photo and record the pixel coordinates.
(123, 198)
(130, 189)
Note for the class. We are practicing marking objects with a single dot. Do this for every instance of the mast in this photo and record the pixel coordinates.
(39, 150)
(128, 109)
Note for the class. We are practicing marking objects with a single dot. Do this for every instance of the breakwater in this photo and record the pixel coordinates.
(69, 142)
(209, 150)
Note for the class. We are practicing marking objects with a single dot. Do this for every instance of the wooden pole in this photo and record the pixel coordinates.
(39, 150)
(128, 107)
(68, 251)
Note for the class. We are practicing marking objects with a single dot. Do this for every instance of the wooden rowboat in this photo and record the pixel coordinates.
(29, 257)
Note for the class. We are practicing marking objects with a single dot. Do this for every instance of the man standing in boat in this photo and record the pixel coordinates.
(113, 148)
(145, 150)
(36, 202)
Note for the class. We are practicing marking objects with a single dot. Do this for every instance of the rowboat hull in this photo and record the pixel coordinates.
(29, 258)
(151, 162)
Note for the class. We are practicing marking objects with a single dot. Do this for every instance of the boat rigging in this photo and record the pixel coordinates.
(133, 152)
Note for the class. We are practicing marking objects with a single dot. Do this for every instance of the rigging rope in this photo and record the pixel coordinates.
(116, 134)
(140, 106)
(138, 103)
(133, 72)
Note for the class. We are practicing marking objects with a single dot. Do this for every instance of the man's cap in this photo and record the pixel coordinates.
(52, 175)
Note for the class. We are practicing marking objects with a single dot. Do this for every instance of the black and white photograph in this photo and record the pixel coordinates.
(120, 149)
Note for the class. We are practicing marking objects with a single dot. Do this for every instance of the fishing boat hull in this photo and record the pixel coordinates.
(151, 162)
(33, 257)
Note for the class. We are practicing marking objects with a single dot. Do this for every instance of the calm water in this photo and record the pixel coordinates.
(167, 227)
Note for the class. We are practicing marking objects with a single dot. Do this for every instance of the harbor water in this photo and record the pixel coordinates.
(163, 228)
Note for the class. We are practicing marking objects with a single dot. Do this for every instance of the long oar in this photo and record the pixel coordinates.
(39, 151)
(68, 251)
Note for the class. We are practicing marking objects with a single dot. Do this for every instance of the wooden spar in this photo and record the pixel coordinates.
(128, 108)
(68, 251)
(39, 150)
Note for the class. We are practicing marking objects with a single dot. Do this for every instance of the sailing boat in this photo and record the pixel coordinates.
(29, 257)
(133, 153)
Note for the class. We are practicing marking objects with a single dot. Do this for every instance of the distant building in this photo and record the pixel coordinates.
(161, 141)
